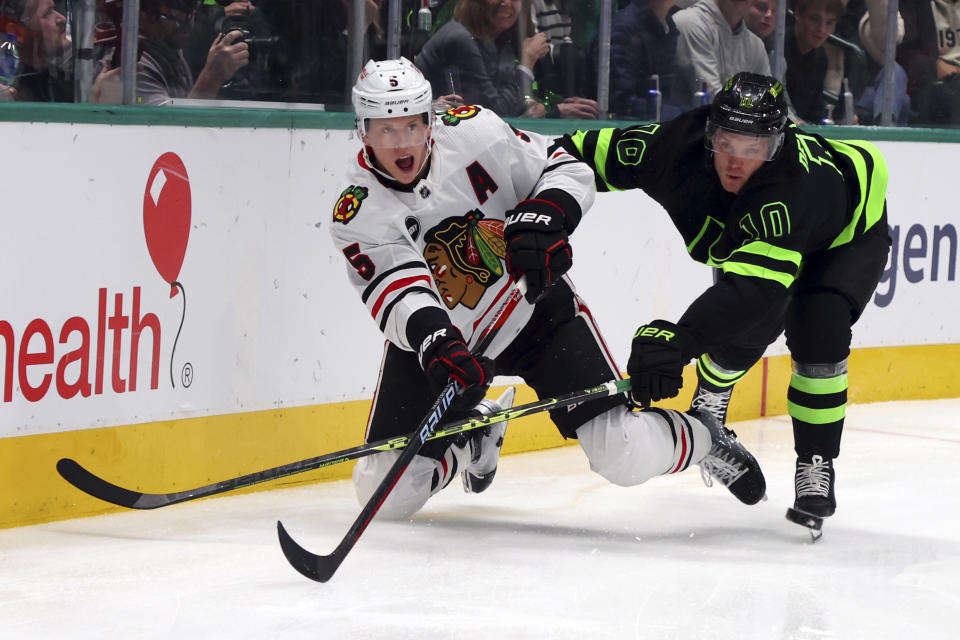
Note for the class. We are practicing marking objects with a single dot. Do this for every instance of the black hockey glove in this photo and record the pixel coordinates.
(537, 235)
(656, 361)
(445, 356)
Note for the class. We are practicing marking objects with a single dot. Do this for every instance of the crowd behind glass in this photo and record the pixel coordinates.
(854, 62)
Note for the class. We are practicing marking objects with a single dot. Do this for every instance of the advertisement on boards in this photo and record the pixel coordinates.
(159, 273)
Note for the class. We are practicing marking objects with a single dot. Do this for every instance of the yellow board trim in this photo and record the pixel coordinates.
(181, 454)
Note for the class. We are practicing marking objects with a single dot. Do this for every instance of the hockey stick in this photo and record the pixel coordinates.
(322, 567)
(74, 473)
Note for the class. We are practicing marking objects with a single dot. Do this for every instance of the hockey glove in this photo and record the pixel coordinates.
(537, 236)
(656, 361)
(445, 356)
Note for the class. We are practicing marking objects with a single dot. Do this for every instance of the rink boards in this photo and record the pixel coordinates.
(175, 314)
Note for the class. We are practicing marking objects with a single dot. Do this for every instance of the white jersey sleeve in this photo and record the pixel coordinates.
(383, 264)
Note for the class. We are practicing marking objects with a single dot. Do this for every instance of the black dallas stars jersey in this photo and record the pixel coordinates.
(440, 242)
(815, 196)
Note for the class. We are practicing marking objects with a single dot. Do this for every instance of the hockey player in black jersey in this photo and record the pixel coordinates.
(797, 226)
(439, 215)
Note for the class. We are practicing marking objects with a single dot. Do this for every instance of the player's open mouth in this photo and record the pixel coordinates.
(405, 163)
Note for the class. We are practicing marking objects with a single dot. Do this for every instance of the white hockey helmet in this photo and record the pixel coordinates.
(390, 89)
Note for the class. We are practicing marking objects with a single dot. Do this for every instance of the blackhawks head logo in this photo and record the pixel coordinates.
(465, 255)
(452, 117)
(349, 203)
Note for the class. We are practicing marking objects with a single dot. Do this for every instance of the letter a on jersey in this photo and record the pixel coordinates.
(481, 181)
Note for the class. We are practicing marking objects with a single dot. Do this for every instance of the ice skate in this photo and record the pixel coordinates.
(713, 402)
(484, 445)
(813, 482)
(730, 463)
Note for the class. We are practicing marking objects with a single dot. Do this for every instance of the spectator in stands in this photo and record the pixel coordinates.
(551, 18)
(643, 43)
(207, 24)
(312, 51)
(474, 56)
(872, 32)
(814, 22)
(563, 71)
(715, 44)
(930, 53)
(44, 76)
(761, 18)
(162, 70)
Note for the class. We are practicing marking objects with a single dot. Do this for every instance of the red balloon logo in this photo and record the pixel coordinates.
(166, 216)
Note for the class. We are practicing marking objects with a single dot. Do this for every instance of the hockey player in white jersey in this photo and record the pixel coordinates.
(439, 216)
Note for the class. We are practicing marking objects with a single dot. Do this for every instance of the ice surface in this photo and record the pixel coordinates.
(549, 551)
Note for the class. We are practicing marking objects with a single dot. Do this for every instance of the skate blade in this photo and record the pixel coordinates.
(814, 524)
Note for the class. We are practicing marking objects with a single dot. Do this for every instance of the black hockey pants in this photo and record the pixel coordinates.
(559, 351)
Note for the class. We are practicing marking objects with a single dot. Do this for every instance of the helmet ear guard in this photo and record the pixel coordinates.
(749, 105)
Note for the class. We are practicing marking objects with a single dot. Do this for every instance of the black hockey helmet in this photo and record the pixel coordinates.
(750, 104)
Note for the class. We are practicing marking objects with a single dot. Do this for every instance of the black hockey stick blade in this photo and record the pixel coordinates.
(75, 474)
(322, 568)
(319, 568)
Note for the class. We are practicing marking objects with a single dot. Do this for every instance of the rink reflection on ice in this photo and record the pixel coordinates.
(550, 551)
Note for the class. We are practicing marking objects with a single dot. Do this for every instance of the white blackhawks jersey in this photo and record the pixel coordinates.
(440, 243)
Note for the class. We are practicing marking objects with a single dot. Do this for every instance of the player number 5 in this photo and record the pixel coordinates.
(360, 261)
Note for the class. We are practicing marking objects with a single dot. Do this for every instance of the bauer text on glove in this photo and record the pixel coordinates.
(445, 356)
(538, 242)
(659, 352)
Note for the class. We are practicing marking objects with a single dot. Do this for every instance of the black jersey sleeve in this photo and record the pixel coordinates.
(643, 156)
(619, 157)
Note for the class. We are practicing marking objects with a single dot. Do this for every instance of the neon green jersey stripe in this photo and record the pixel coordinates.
(861, 168)
(816, 416)
(753, 271)
(878, 184)
(578, 140)
(709, 222)
(600, 156)
(819, 386)
(766, 249)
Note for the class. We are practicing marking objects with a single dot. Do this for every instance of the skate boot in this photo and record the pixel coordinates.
(815, 499)
(713, 402)
(730, 463)
(484, 445)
